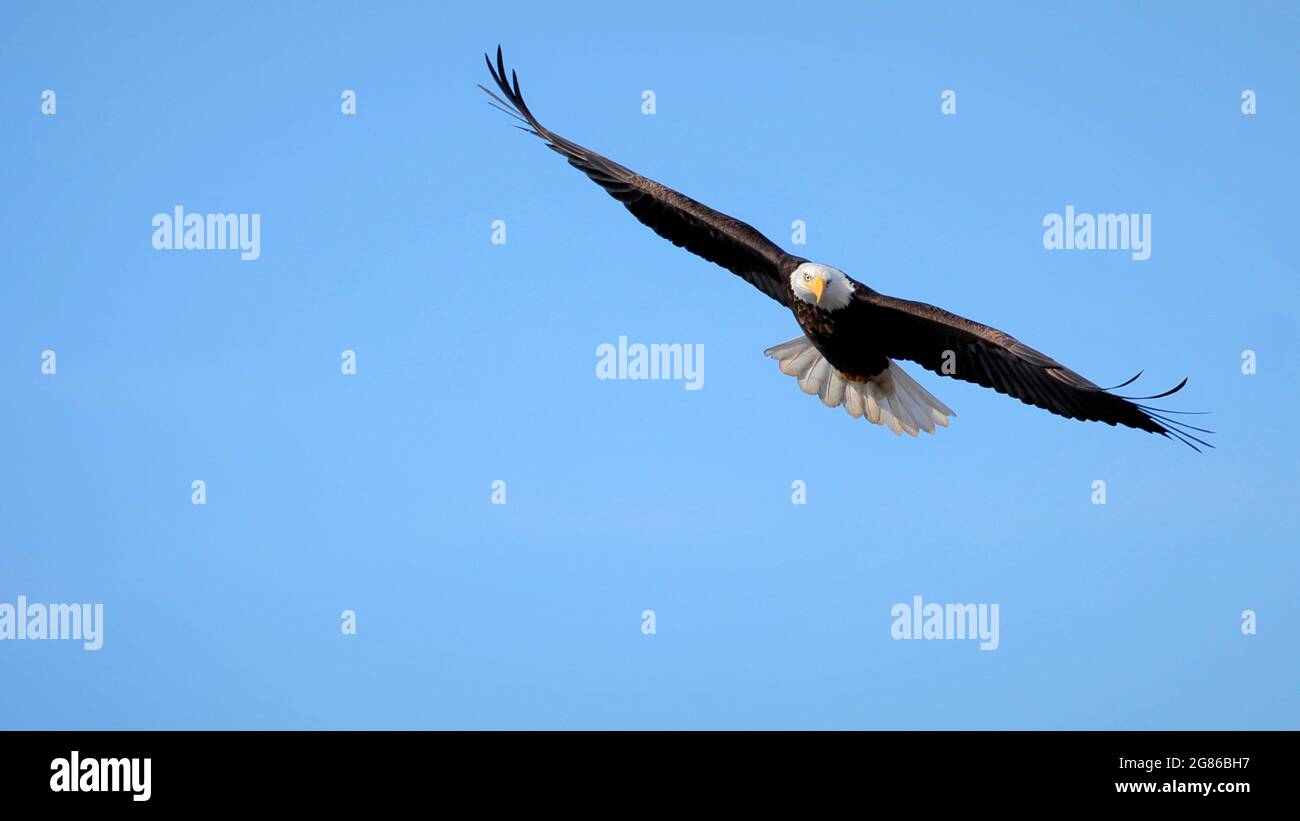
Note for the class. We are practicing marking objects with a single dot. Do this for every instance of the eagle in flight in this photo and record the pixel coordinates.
(852, 334)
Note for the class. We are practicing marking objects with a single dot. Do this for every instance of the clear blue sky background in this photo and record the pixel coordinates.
(476, 362)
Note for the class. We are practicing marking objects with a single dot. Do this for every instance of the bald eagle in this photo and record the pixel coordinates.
(852, 335)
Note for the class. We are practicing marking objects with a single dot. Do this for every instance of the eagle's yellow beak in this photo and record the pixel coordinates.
(817, 286)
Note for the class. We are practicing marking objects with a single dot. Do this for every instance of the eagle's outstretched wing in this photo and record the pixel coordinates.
(925, 334)
(734, 245)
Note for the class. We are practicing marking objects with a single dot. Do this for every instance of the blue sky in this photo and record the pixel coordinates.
(476, 362)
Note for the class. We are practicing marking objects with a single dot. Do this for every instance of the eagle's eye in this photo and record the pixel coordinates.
(807, 277)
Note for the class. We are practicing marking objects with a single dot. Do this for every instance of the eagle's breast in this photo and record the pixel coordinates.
(840, 337)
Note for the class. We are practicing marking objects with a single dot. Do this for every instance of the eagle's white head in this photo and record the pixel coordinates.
(821, 285)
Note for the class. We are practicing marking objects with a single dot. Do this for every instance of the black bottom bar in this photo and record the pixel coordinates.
(327, 769)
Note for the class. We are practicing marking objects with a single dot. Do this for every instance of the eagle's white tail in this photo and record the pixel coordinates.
(890, 398)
